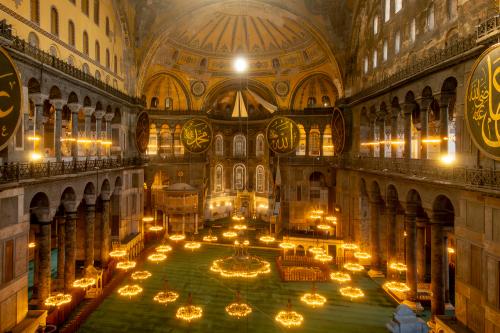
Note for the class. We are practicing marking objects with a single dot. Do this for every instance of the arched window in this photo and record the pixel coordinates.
(219, 145)
(98, 75)
(71, 60)
(96, 12)
(169, 103)
(33, 39)
(107, 27)
(239, 177)
(97, 52)
(385, 52)
(328, 148)
(53, 51)
(325, 101)
(430, 18)
(365, 65)
(387, 10)
(311, 102)
(451, 8)
(259, 179)
(54, 21)
(219, 172)
(259, 145)
(108, 59)
(115, 69)
(85, 42)
(397, 42)
(154, 102)
(85, 69)
(301, 147)
(85, 7)
(71, 33)
(239, 146)
(153, 141)
(375, 58)
(314, 142)
(375, 25)
(398, 5)
(413, 30)
(35, 11)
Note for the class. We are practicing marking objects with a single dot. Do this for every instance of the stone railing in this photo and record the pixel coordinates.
(45, 58)
(32, 170)
(430, 170)
(488, 28)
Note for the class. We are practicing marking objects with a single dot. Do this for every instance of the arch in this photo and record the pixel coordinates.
(117, 118)
(54, 21)
(260, 179)
(105, 187)
(39, 200)
(392, 193)
(219, 145)
(219, 178)
(239, 145)
(71, 33)
(33, 39)
(55, 93)
(444, 205)
(362, 187)
(413, 197)
(259, 145)
(33, 86)
(167, 86)
(317, 87)
(118, 183)
(72, 98)
(301, 147)
(239, 177)
(69, 199)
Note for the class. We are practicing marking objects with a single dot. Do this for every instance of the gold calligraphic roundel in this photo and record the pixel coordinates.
(282, 135)
(10, 98)
(482, 102)
(196, 135)
(142, 132)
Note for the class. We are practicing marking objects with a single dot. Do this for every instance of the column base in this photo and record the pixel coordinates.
(374, 273)
(414, 305)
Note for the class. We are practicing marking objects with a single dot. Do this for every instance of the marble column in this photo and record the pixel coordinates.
(105, 232)
(108, 117)
(74, 108)
(381, 128)
(375, 205)
(88, 111)
(443, 122)
(437, 263)
(61, 240)
(58, 105)
(89, 233)
(411, 250)
(99, 114)
(70, 249)
(44, 248)
(391, 231)
(307, 129)
(408, 110)
(394, 130)
(421, 249)
(424, 120)
(38, 100)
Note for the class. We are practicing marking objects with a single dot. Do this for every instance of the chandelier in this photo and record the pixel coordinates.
(287, 246)
(130, 290)
(316, 250)
(58, 300)
(349, 246)
(229, 234)
(157, 257)
(323, 227)
(362, 255)
(267, 239)
(141, 275)
(398, 266)
(313, 298)
(397, 286)
(148, 219)
(323, 257)
(240, 227)
(351, 292)
(125, 265)
(353, 267)
(241, 264)
(189, 312)
(340, 277)
(118, 253)
(238, 308)
(210, 238)
(163, 248)
(177, 237)
(84, 283)
(165, 297)
(289, 318)
(156, 228)
(192, 245)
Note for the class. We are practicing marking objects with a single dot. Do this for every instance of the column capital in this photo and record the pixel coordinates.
(440, 217)
(422, 222)
(74, 107)
(99, 114)
(70, 206)
(90, 199)
(109, 116)
(88, 110)
(425, 103)
(106, 196)
(408, 108)
(42, 215)
(58, 103)
(38, 98)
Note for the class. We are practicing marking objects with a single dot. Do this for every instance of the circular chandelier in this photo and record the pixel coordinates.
(238, 308)
(240, 227)
(323, 257)
(332, 219)
(58, 300)
(398, 266)
(316, 250)
(237, 218)
(192, 245)
(210, 238)
(340, 277)
(362, 255)
(130, 290)
(177, 237)
(157, 257)
(289, 318)
(118, 253)
(317, 211)
(229, 234)
(140, 275)
(267, 239)
(163, 248)
(313, 298)
(148, 219)
(287, 246)
(353, 267)
(314, 216)
(84, 283)
(397, 286)
(189, 312)
(125, 265)
(165, 297)
(323, 227)
(351, 292)
(241, 264)
(349, 246)
(156, 228)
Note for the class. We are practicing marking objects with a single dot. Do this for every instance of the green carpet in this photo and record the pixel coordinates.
(189, 272)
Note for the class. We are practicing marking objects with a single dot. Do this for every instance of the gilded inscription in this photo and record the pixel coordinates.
(196, 135)
(10, 98)
(282, 135)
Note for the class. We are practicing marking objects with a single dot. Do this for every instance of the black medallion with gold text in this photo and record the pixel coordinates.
(142, 132)
(10, 98)
(282, 135)
(196, 135)
(482, 102)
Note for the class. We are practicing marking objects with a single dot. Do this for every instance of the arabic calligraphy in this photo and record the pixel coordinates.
(196, 135)
(142, 132)
(482, 102)
(282, 135)
(10, 99)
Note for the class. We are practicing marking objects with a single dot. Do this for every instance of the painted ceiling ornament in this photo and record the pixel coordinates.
(338, 131)
(142, 132)
(10, 98)
(282, 88)
(196, 135)
(282, 135)
(198, 88)
(482, 98)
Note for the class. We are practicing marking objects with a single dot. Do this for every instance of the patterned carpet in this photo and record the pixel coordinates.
(189, 271)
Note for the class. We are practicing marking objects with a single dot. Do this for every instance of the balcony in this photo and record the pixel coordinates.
(488, 29)
(14, 172)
